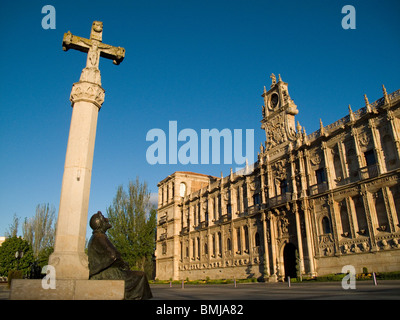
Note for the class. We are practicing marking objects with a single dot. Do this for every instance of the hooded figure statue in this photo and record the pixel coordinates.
(105, 262)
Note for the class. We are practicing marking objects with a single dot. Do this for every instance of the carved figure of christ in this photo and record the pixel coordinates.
(94, 46)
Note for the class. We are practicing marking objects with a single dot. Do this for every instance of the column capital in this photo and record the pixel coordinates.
(87, 91)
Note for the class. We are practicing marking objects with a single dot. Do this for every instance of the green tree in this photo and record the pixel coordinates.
(133, 221)
(9, 262)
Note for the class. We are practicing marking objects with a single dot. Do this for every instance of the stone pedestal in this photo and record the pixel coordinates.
(273, 278)
(68, 290)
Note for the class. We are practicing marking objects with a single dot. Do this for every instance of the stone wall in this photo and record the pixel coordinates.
(374, 262)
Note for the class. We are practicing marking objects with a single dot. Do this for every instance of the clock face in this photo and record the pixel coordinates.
(274, 101)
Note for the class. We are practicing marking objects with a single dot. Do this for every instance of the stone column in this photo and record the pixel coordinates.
(293, 177)
(272, 223)
(352, 216)
(395, 131)
(69, 258)
(234, 247)
(377, 147)
(390, 209)
(248, 197)
(328, 165)
(159, 196)
(209, 246)
(336, 222)
(310, 246)
(371, 217)
(270, 182)
(343, 160)
(217, 206)
(360, 159)
(217, 244)
(211, 212)
(241, 199)
(223, 245)
(266, 251)
(299, 239)
(302, 173)
(262, 182)
(307, 172)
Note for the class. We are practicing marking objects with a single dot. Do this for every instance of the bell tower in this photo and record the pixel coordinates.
(278, 115)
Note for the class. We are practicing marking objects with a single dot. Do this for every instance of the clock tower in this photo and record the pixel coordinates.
(278, 115)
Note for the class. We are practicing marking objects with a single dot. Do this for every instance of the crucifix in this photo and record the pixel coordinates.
(94, 49)
(87, 97)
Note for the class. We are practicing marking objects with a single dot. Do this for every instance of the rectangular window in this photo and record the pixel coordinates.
(370, 157)
(284, 186)
(256, 198)
(320, 174)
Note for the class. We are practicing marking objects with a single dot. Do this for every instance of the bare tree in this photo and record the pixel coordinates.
(13, 228)
(39, 230)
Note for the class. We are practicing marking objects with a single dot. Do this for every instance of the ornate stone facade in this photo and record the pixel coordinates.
(318, 201)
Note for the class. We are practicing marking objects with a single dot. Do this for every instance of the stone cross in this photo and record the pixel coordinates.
(94, 49)
(87, 97)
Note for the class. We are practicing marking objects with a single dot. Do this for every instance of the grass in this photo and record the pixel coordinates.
(359, 276)
(326, 278)
(203, 281)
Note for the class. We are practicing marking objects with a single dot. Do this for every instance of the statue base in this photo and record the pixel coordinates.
(22, 289)
(70, 265)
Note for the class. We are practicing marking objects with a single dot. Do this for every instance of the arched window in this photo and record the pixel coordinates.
(228, 244)
(182, 189)
(246, 238)
(219, 243)
(198, 248)
(213, 244)
(326, 226)
(344, 217)
(167, 193)
(239, 242)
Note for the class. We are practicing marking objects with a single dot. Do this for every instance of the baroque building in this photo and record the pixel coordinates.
(311, 203)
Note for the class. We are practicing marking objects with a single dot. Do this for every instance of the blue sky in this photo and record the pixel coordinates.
(200, 63)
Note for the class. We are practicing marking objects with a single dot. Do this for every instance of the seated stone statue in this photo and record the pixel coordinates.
(105, 262)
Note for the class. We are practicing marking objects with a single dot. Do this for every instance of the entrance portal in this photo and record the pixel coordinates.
(289, 259)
